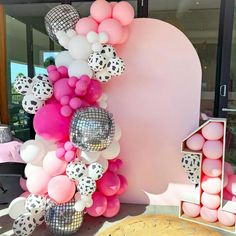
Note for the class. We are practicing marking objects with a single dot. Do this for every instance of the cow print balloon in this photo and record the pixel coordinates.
(95, 170)
(76, 169)
(39, 218)
(42, 90)
(41, 77)
(35, 203)
(23, 85)
(115, 66)
(108, 51)
(194, 177)
(103, 76)
(31, 104)
(191, 162)
(24, 225)
(96, 61)
(86, 186)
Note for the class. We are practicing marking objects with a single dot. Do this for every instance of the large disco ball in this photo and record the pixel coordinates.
(62, 17)
(63, 219)
(92, 129)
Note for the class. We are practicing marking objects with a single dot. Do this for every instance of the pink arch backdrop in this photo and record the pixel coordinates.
(157, 104)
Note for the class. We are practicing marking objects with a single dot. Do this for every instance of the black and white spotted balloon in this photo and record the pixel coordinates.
(76, 170)
(41, 77)
(35, 203)
(108, 51)
(115, 66)
(86, 186)
(24, 225)
(191, 162)
(103, 76)
(23, 85)
(31, 104)
(194, 177)
(96, 61)
(95, 170)
(42, 90)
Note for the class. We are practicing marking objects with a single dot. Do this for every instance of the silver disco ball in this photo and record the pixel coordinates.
(62, 17)
(92, 129)
(63, 219)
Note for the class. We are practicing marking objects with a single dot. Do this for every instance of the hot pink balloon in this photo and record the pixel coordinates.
(114, 30)
(113, 167)
(195, 142)
(101, 10)
(50, 124)
(213, 131)
(209, 215)
(211, 201)
(109, 184)
(53, 165)
(63, 71)
(113, 207)
(86, 25)
(61, 189)
(211, 167)
(191, 209)
(54, 75)
(62, 88)
(23, 184)
(94, 91)
(99, 205)
(226, 218)
(123, 185)
(211, 185)
(227, 195)
(123, 12)
(213, 149)
(37, 182)
(231, 186)
(51, 68)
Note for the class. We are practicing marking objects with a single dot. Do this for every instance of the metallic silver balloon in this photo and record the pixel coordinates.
(63, 219)
(62, 17)
(92, 129)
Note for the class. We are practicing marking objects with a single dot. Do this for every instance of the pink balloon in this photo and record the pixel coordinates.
(226, 180)
(113, 207)
(211, 185)
(213, 149)
(63, 71)
(125, 35)
(123, 185)
(65, 100)
(25, 194)
(37, 182)
(228, 168)
(99, 205)
(191, 209)
(101, 10)
(114, 30)
(211, 167)
(113, 167)
(51, 68)
(53, 165)
(61, 189)
(72, 81)
(226, 218)
(113, 4)
(227, 195)
(94, 91)
(70, 156)
(66, 111)
(213, 131)
(75, 103)
(209, 215)
(211, 201)
(68, 146)
(23, 184)
(109, 184)
(195, 142)
(62, 88)
(60, 152)
(85, 25)
(123, 12)
(50, 124)
(231, 186)
(54, 75)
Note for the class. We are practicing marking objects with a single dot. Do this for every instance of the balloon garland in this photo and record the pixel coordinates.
(73, 161)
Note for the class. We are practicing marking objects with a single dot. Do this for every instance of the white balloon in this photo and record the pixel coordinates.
(17, 207)
(97, 47)
(79, 47)
(112, 151)
(64, 41)
(103, 37)
(92, 37)
(104, 163)
(31, 104)
(78, 68)
(70, 33)
(63, 59)
(90, 157)
(117, 133)
(30, 169)
(60, 34)
(33, 152)
(79, 205)
(103, 104)
(47, 144)
(89, 203)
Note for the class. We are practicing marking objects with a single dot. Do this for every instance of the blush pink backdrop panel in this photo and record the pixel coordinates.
(156, 102)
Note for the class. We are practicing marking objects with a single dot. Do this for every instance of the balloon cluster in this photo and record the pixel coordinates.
(209, 141)
(76, 147)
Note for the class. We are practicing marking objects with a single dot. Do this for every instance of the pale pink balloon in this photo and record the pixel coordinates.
(25, 194)
(211, 201)
(123, 185)
(101, 10)
(211, 185)
(113, 207)
(208, 215)
(23, 184)
(226, 180)
(226, 218)
(86, 25)
(211, 167)
(99, 205)
(114, 30)
(62, 88)
(231, 186)
(37, 183)
(113, 4)
(61, 189)
(125, 35)
(228, 168)
(213, 149)
(53, 165)
(123, 12)
(213, 131)
(195, 142)
(191, 209)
